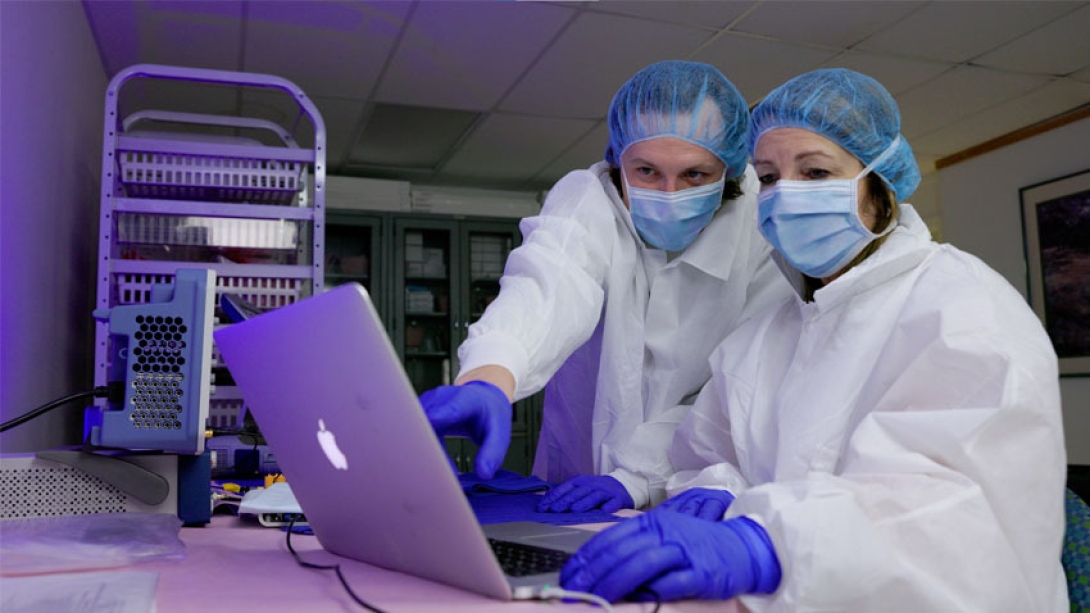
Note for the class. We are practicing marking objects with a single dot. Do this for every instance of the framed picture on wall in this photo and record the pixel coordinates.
(1056, 224)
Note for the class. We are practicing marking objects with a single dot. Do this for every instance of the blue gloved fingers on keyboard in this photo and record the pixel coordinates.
(700, 502)
(619, 561)
(675, 556)
(477, 410)
(585, 492)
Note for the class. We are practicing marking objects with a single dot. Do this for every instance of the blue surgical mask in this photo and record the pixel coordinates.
(815, 225)
(672, 220)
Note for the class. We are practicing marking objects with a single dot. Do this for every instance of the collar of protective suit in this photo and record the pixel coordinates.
(906, 246)
(713, 250)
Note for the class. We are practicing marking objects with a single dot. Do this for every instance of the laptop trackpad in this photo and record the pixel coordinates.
(540, 535)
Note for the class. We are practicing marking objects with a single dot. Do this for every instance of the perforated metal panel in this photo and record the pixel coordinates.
(32, 487)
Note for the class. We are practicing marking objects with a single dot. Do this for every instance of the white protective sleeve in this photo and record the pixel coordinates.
(551, 292)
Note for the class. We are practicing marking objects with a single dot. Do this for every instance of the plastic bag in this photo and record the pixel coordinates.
(82, 542)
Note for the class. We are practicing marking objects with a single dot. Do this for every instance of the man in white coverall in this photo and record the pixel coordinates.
(891, 436)
(633, 272)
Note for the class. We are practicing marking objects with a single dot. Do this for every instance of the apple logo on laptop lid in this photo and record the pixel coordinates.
(330, 448)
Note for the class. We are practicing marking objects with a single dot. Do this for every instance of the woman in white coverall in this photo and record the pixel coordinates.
(891, 436)
(633, 272)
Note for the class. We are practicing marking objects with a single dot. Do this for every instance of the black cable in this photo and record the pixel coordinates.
(255, 435)
(240, 433)
(98, 392)
(334, 567)
(642, 593)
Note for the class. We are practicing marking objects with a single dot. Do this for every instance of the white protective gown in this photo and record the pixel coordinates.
(899, 437)
(620, 335)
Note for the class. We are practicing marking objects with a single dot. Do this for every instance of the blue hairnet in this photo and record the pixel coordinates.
(850, 109)
(664, 98)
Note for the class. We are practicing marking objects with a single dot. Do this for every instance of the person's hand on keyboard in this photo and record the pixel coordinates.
(477, 410)
(675, 557)
(585, 492)
(699, 502)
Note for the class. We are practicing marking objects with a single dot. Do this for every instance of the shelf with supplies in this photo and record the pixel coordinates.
(355, 252)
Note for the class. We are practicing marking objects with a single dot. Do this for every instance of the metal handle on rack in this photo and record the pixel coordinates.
(210, 120)
(227, 77)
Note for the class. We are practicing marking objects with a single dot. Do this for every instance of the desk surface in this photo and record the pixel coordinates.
(235, 565)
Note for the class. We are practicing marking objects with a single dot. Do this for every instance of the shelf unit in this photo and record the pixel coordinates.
(235, 194)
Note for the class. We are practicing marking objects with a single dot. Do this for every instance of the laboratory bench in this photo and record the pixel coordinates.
(234, 564)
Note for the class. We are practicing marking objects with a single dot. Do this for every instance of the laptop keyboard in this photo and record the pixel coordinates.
(519, 560)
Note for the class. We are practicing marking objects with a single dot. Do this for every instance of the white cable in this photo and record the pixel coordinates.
(549, 592)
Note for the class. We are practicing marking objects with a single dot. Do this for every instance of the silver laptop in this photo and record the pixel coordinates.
(334, 403)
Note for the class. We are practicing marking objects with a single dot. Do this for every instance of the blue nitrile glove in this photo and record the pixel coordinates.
(477, 410)
(585, 492)
(700, 502)
(676, 557)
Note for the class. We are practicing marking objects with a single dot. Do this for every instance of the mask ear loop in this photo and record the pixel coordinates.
(881, 158)
(887, 213)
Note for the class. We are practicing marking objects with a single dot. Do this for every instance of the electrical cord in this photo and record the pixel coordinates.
(334, 567)
(99, 392)
(255, 435)
(658, 601)
(550, 592)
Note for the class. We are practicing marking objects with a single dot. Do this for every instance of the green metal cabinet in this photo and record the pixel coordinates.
(354, 251)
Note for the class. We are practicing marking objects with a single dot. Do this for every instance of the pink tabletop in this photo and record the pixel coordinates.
(235, 565)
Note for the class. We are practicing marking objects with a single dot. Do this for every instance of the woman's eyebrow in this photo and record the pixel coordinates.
(802, 155)
(816, 153)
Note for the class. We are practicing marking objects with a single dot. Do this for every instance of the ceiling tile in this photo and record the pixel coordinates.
(326, 48)
(897, 74)
(588, 150)
(581, 71)
(341, 118)
(204, 35)
(143, 93)
(338, 115)
(957, 94)
(838, 24)
(957, 31)
(1059, 48)
(231, 9)
(709, 15)
(513, 146)
(463, 55)
(1041, 104)
(778, 62)
(409, 136)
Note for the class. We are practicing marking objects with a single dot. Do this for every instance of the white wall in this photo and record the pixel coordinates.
(51, 93)
(982, 214)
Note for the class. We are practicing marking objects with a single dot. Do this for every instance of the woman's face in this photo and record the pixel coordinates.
(797, 154)
(669, 164)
